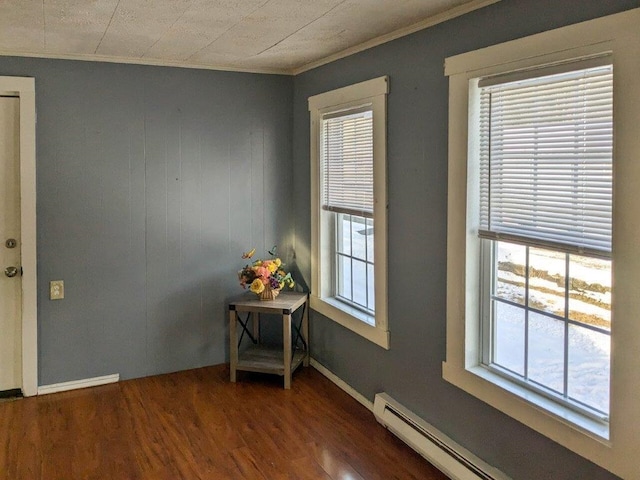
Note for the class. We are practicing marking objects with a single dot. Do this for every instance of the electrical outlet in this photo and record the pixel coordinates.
(56, 289)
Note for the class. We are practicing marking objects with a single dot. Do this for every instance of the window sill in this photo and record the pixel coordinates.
(352, 319)
(532, 409)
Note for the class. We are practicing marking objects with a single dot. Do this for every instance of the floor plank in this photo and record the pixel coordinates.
(197, 425)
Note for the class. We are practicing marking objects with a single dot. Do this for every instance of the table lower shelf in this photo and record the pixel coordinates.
(258, 358)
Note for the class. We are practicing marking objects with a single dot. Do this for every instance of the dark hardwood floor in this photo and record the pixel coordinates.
(197, 425)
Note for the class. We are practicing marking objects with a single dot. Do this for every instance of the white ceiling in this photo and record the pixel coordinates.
(279, 36)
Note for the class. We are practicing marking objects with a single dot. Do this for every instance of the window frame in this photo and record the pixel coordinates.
(614, 447)
(374, 328)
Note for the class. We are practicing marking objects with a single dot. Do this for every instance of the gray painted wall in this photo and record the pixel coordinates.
(411, 371)
(150, 183)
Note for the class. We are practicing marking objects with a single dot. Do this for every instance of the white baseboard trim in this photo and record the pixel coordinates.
(342, 384)
(75, 384)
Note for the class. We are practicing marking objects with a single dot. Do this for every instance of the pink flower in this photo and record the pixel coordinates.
(263, 273)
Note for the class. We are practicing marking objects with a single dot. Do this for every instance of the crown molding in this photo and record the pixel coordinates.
(146, 61)
(403, 32)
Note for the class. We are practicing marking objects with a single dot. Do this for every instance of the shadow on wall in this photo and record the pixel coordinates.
(301, 284)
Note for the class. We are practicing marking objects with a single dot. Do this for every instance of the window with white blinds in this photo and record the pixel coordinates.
(346, 155)
(546, 148)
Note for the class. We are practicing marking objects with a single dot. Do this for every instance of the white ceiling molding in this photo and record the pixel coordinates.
(148, 61)
(416, 27)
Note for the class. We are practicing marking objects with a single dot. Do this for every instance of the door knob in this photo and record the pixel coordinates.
(11, 271)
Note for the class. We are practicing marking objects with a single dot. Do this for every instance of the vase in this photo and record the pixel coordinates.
(269, 293)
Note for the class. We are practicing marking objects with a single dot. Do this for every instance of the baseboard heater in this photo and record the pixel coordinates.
(445, 454)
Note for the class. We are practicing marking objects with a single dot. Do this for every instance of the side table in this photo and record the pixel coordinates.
(258, 358)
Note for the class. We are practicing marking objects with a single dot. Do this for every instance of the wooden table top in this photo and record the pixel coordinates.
(285, 303)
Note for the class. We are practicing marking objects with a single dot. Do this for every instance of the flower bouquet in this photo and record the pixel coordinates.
(265, 277)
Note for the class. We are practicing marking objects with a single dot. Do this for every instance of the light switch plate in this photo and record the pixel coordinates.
(56, 289)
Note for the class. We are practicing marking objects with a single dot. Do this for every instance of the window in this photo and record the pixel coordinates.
(542, 260)
(545, 143)
(547, 323)
(354, 273)
(346, 172)
(348, 144)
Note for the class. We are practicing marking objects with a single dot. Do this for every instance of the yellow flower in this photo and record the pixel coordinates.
(278, 262)
(272, 266)
(257, 286)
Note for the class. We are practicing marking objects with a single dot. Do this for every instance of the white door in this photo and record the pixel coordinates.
(10, 271)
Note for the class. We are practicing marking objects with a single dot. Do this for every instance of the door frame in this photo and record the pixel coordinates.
(24, 89)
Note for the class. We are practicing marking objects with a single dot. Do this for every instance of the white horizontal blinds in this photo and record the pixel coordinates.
(346, 154)
(546, 152)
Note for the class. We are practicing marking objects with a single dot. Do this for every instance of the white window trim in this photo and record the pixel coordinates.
(373, 92)
(615, 450)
